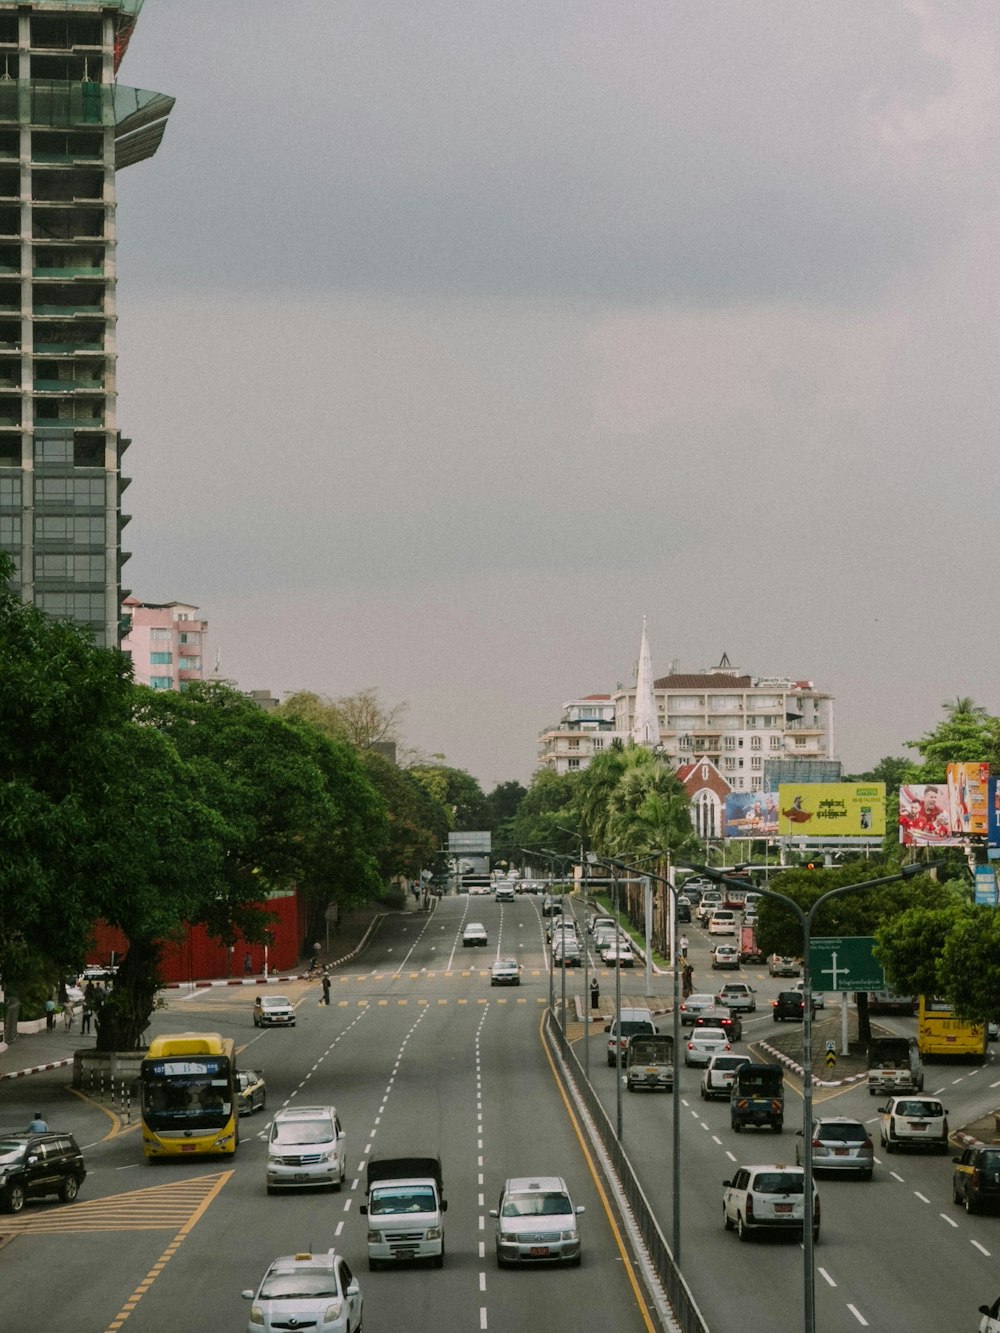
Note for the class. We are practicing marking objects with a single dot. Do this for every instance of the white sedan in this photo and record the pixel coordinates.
(704, 1043)
(474, 935)
(618, 955)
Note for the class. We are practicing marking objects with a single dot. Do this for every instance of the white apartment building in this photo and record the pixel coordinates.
(166, 641)
(587, 726)
(737, 721)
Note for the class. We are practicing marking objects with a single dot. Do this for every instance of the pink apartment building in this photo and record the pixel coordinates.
(166, 641)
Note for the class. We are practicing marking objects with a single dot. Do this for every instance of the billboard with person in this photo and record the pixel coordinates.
(751, 814)
(831, 809)
(925, 816)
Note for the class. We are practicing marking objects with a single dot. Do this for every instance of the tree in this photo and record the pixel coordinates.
(546, 810)
(864, 912)
(360, 719)
(967, 735)
(458, 792)
(417, 823)
(962, 706)
(911, 944)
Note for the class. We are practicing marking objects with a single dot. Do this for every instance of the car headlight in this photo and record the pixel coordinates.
(509, 1236)
(374, 1237)
(333, 1311)
(434, 1233)
(256, 1315)
(567, 1235)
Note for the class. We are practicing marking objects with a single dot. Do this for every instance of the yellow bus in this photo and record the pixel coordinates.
(941, 1032)
(188, 1096)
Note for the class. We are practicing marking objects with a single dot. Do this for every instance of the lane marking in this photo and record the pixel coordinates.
(858, 1315)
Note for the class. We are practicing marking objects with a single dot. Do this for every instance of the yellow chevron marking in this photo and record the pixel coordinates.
(159, 1207)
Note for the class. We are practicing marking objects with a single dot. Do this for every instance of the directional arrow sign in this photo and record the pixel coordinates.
(845, 963)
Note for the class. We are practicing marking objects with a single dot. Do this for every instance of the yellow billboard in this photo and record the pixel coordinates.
(831, 809)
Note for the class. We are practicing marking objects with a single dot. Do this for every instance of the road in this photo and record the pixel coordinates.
(894, 1252)
(417, 1052)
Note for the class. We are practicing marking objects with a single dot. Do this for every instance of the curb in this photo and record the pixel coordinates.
(796, 1068)
(37, 1069)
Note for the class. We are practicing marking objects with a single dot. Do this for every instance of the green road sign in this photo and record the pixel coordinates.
(845, 963)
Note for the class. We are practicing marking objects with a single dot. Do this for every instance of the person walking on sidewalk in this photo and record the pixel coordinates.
(38, 1125)
(50, 1015)
(684, 947)
(86, 1016)
(326, 989)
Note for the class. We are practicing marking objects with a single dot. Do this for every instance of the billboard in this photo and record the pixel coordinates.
(993, 814)
(968, 798)
(751, 814)
(831, 809)
(925, 816)
(986, 886)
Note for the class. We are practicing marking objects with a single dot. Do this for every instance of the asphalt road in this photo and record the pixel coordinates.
(417, 1052)
(894, 1253)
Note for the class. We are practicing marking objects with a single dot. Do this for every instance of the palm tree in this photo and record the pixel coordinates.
(963, 706)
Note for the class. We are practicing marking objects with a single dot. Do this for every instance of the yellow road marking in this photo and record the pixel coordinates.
(598, 1184)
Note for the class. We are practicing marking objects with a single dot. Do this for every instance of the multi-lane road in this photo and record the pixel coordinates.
(418, 1052)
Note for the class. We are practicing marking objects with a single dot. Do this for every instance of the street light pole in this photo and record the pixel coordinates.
(805, 920)
(676, 1089)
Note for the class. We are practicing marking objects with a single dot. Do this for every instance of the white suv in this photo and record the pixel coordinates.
(771, 1198)
(737, 995)
(306, 1147)
(914, 1122)
(722, 922)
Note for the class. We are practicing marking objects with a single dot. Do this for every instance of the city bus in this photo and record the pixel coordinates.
(188, 1096)
(941, 1032)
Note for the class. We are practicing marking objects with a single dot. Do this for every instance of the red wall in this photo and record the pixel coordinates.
(200, 957)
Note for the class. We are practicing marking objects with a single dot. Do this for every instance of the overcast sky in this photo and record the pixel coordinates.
(455, 338)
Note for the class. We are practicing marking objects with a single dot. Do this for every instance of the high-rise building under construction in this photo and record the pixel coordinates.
(66, 126)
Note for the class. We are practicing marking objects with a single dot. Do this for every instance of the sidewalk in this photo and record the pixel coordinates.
(35, 1052)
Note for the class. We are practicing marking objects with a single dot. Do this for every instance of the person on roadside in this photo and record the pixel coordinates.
(247, 964)
(326, 989)
(595, 994)
(86, 1015)
(50, 1014)
(684, 946)
(687, 978)
(37, 1125)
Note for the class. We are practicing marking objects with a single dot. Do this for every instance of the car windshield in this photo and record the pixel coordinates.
(728, 1061)
(830, 1133)
(778, 1182)
(11, 1150)
(536, 1204)
(506, 963)
(303, 1285)
(709, 1034)
(627, 1029)
(405, 1199)
(301, 1131)
(918, 1108)
(275, 1002)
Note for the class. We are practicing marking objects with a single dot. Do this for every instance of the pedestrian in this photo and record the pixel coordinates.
(38, 1125)
(50, 1014)
(247, 964)
(595, 994)
(684, 946)
(687, 976)
(85, 1018)
(326, 989)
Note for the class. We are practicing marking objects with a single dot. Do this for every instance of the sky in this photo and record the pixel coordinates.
(456, 338)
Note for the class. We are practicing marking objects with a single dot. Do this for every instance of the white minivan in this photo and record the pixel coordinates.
(722, 922)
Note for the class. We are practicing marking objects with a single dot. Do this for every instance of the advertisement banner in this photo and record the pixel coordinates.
(925, 816)
(986, 886)
(968, 798)
(993, 814)
(832, 809)
(751, 814)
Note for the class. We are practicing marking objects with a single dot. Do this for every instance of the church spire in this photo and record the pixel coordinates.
(646, 725)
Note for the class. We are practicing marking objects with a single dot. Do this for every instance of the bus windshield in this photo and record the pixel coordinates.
(187, 1094)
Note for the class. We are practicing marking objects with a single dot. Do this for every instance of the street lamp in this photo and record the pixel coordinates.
(676, 1089)
(585, 1004)
(566, 860)
(805, 919)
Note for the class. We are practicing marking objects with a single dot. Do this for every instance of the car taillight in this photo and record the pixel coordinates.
(749, 1205)
(728, 1047)
(974, 1178)
(774, 1004)
(867, 1143)
(690, 1045)
(817, 1143)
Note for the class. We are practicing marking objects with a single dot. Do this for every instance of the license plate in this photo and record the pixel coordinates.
(840, 1152)
(301, 1175)
(917, 1125)
(403, 1254)
(782, 1207)
(188, 1147)
(539, 1251)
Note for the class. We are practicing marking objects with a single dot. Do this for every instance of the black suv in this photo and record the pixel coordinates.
(976, 1181)
(789, 1004)
(35, 1164)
